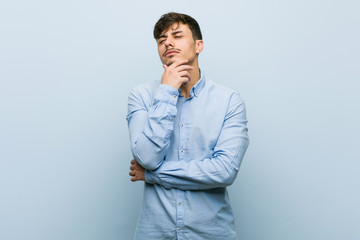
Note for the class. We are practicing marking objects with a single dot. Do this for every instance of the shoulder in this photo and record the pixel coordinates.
(144, 89)
(143, 94)
(229, 100)
(219, 91)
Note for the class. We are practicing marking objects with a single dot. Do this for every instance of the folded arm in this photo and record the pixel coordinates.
(151, 126)
(218, 171)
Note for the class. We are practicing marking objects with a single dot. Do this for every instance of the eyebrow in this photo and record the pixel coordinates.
(173, 33)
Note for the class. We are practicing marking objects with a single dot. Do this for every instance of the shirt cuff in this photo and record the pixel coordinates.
(167, 94)
(152, 177)
(149, 176)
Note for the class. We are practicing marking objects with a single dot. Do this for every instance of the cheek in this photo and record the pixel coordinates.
(161, 48)
(190, 46)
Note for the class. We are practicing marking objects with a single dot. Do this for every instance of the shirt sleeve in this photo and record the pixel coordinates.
(218, 171)
(150, 127)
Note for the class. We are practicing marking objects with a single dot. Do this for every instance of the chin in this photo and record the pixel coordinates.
(169, 63)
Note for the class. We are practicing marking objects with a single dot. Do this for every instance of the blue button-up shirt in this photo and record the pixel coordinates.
(191, 150)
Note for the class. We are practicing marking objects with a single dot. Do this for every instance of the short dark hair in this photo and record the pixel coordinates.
(168, 19)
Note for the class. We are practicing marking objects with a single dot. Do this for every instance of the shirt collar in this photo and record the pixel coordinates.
(196, 89)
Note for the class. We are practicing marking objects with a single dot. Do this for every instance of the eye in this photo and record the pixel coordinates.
(178, 36)
(161, 41)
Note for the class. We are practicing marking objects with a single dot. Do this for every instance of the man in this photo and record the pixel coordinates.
(188, 137)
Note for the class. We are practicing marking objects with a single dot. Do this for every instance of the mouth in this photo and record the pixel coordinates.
(171, 52)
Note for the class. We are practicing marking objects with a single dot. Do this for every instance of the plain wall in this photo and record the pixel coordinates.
(66, 68)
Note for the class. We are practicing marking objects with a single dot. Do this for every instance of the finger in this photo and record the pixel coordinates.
(184, 68)
(185, 79)
(178, 63)
(184, 74)
(165, 66)
(131, 173)
(133, 161)
(132, 167)
(133, 179)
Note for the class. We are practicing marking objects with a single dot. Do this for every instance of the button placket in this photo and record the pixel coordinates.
(180, 211)
(182, 130)
(181, 125)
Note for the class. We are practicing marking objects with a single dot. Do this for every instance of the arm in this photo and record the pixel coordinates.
(150, 127)
(218, 171)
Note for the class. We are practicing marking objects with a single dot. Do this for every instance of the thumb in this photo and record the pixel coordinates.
(165, 66)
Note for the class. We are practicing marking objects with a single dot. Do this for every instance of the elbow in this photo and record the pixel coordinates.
(146, 160)
(145, 163)
(229, 180)
(147, 155)
(230, 168)
(229, 177)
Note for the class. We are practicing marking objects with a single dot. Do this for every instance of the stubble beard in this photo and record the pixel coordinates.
(169, 63)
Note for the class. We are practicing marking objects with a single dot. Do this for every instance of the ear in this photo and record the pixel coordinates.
(199, 44)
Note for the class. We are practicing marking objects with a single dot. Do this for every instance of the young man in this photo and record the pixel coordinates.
(188, 137)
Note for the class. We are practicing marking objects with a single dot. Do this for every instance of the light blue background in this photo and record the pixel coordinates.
(66, 68)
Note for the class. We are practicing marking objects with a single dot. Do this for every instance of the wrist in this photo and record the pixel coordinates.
(167, 94)
(171, 84)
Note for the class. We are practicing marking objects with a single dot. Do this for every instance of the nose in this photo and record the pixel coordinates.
(169, 43)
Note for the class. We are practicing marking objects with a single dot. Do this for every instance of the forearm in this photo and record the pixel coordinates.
(218, 171)
(150, 128)
(151, 145)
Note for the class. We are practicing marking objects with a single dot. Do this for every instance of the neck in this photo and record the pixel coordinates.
(194, 78)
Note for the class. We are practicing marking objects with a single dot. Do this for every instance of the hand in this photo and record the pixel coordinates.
(176, 74)
(137, 171)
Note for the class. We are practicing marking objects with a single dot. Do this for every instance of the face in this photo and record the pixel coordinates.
(178, 43)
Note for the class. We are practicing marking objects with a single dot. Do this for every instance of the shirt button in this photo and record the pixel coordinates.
(182, 125)
(174, 96)
(172, 119)
(179, 228)
(182, 100)
(179, 203)
(182, 151)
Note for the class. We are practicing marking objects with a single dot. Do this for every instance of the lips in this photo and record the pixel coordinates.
(170, 52)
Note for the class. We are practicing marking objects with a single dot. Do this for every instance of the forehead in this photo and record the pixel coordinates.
(177, 27)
